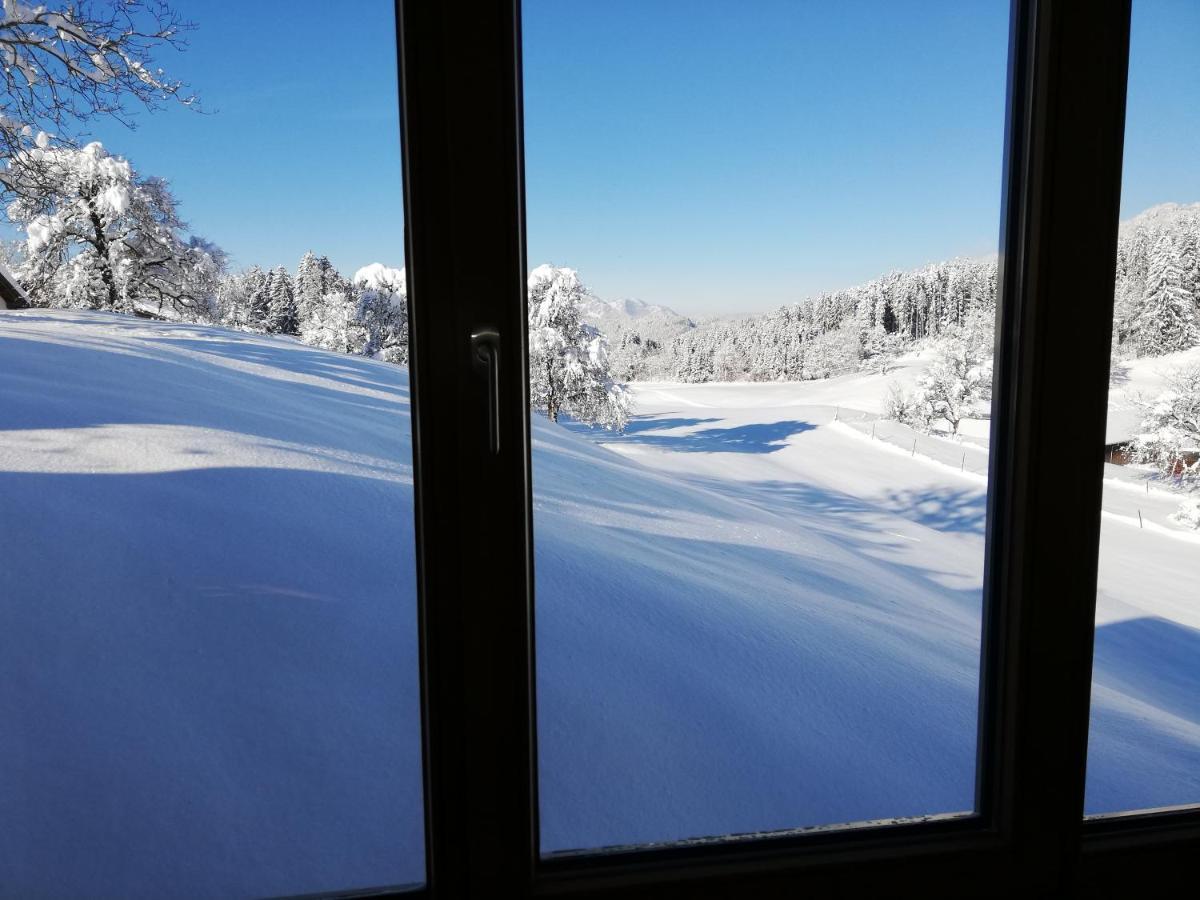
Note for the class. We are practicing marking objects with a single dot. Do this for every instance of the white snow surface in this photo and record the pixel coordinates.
(1139, 380)
(757, 609)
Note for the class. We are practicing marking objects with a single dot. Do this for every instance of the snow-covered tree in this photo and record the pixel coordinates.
(100, 236)
(1166, 319)
(256, 286)
(333, 325)
(1188, 514)
(956, 386)
(315, 277)
(832, 353)
(282, 316)
(568, 359)
(383, 311)
(880, 350)
(67, 63)
(1170, 431)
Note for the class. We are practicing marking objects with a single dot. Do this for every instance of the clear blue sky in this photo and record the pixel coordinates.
(715, 157)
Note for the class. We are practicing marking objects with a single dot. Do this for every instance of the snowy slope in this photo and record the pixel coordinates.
(207, 670)
(750, 616)
(1139, 379)
(1162, 216)
(774, 443)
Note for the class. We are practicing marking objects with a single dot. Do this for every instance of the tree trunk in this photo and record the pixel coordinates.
(101, 245)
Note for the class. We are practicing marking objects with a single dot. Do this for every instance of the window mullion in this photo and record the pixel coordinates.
(1066, 131)
(459, 71)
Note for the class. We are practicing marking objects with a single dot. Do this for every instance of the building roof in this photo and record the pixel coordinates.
(12, 295)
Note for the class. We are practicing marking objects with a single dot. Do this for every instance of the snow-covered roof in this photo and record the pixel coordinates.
(10, 290)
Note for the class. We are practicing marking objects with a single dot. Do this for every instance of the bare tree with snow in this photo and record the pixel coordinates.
(100, 236)
(1170, 436)
(66, 63)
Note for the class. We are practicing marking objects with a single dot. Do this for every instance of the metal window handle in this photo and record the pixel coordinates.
(485, 348)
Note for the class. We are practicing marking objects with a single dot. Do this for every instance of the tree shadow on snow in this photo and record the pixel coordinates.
(753, 438)
(943, 509)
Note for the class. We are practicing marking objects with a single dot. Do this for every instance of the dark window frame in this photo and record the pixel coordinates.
(460, 76)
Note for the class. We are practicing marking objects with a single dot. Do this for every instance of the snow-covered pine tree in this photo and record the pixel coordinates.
(282, 316)
(256, 287)
(315, 277)
(1166, 319)
(233, 309)
(568, 359)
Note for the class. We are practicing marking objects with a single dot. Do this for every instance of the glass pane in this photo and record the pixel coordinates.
(761, 326)
(1144, 748)
(208, 653)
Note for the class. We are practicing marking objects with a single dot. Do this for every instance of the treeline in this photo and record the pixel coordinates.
(100, 235)
(366, 315)
(821, 336)
(1157, 311)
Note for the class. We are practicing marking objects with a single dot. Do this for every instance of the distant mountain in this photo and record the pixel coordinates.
(616, 317)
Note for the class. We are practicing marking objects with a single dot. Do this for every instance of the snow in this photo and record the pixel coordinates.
(377, 276)
(207, 667)
(1139, 379)
(755, 611)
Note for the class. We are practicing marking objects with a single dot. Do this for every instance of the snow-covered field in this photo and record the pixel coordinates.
(758, 609)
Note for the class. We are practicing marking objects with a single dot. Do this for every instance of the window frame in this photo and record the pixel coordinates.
(461, 117)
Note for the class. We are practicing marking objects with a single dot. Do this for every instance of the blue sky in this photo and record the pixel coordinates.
(714, 157)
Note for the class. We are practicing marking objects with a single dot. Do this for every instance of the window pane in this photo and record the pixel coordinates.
(762, 307)
(208, 653)
(1144, 748)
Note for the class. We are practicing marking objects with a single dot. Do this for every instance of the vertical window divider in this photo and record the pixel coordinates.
(464, 215)
(1064, 148)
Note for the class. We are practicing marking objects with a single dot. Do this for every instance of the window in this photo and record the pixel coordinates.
(759, 502)
(1064, 119)
(209, 679)
(1143, 746)
(473, 547)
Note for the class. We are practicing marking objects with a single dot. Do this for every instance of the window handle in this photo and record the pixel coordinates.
(485, 348)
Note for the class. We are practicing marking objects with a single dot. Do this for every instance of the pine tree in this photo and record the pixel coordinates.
(1166, 320)
(315, 278)
(256, 290)
(568, 359)
(282, 315)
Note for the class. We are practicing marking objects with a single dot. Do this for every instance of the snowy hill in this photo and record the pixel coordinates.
(1139, 380)
(751, 615)
(1164, 215)
(615, 317)
(629, 308)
